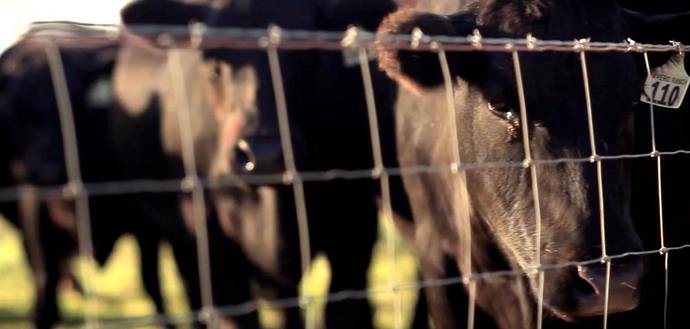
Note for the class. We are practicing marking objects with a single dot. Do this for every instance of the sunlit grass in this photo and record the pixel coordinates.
(118, 289)
(16, 288)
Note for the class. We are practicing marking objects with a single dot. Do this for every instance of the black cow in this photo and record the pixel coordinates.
(328, 122)
(497, 202)
(33, 155)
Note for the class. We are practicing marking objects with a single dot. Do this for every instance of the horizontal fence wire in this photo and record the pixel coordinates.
(140, 186)
(341, 296)
(65, 34)
(254, 38)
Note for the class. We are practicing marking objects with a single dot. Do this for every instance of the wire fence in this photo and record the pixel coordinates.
(272, 41)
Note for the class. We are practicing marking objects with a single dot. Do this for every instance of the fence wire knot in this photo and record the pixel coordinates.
(417, 36)
(208, 315)
(306, 301)
(376, 173)
(197, 30)
(582, 44)
(531, 41)
(633, 45)
(165, 40)
(454, 167)
(288, 178)
(678, 46)
(351, 38)
(72, 190)
(190, 183)
(476, 39)
(274, 35)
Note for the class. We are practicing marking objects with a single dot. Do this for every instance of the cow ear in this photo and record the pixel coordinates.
(421, 70)
(163, 12)
(658, 29)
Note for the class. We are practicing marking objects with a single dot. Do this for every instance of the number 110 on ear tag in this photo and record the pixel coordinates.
(668, 84)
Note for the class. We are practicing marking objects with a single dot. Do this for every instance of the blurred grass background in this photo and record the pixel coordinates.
(119, 290)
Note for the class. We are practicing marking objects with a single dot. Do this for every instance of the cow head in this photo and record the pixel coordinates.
(490, 131)
(244, 141)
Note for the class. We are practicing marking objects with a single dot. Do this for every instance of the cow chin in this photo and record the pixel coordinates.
(226, 215)
(583, 290)
(596, 309)
(575, 288)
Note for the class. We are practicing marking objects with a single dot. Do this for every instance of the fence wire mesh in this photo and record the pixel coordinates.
(274, 40)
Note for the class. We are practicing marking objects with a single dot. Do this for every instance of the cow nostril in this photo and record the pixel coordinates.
(586, 285)
(617, 291)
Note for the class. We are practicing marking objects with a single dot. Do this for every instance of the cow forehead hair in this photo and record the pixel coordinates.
(516, 15)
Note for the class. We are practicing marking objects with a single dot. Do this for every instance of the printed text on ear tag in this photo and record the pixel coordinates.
(667, 84)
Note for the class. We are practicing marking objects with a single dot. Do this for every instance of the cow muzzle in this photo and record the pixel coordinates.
(623, 290)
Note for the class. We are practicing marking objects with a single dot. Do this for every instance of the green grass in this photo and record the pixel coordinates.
(119, 291)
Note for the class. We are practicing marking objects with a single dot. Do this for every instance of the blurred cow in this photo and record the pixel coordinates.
(232, 100)
(33, 155)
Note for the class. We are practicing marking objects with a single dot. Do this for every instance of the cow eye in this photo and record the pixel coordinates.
(507, 114)
(503, 111)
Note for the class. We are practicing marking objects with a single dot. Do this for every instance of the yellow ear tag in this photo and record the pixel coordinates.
(667, 85)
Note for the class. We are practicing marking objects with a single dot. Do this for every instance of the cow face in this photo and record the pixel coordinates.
(220, 100)
(250, 144)
(490, 131)
(232, 108)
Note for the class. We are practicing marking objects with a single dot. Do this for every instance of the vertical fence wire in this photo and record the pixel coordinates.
(291, 175)
(384, 180)
(75, 187)
(600, 184)
(466, 229)
(528, 162)
(192, 184)
(655, 152)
